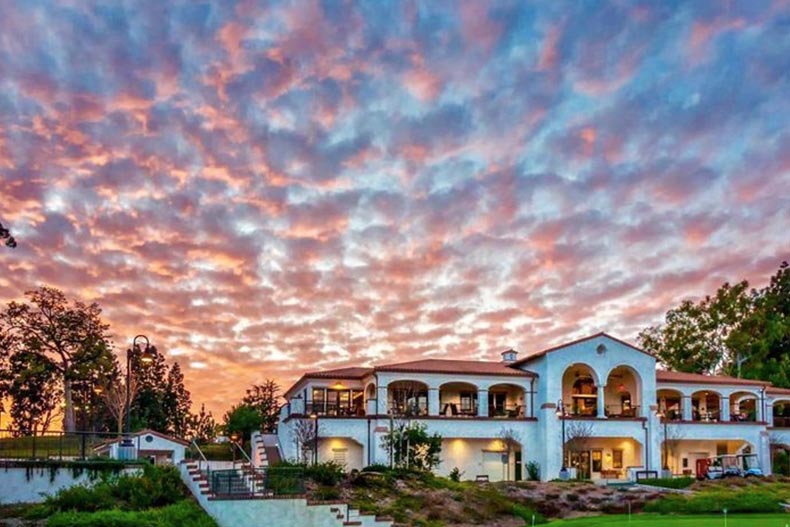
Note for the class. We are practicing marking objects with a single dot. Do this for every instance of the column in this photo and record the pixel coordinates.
(724, 408)
(768, 411)
(482, 403)
(601, 402)
(433, 401)
(687, 406)
(382, 400)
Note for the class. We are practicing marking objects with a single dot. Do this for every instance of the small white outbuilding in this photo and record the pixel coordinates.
(155, 446)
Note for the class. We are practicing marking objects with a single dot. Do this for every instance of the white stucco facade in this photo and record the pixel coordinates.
(616, 408)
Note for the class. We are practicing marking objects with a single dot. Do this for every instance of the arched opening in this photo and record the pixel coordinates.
(621, 394)
(458, 399)
(580, 391)
(705, 406)
(506, 400)
(781, 413)
(743, 407)
(670, 404)
(408, 398)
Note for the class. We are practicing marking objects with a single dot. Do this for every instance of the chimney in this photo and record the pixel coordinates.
(509, 356)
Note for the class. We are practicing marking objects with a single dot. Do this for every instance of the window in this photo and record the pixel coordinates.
(319, 396)
(597, 460)
(685, 462)
(468, 400)
(617, 459)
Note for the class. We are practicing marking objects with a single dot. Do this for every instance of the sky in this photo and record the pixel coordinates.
(266, 188)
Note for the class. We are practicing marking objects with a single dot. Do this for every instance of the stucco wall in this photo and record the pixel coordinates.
(15, 487)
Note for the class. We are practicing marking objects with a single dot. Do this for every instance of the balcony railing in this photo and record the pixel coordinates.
(781, 421)
(622, 411)
(333, 409)
(455, 410)
(508, 411)
(710, 416)
(407, 410)
(744, 417)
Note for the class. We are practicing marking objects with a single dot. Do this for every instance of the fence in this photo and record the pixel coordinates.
(51, 445)
(258, 482)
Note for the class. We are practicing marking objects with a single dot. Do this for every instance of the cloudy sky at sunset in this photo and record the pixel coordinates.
(264, 190)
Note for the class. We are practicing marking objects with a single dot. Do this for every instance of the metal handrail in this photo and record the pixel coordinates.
(243, 453)
(203, 456)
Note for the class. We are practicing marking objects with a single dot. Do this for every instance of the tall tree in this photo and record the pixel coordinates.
(34, 391)
(148, 409)
(176, 402)
(266, 399)
(697, 337)
(204, 428)
(242, 419)
(66, 334)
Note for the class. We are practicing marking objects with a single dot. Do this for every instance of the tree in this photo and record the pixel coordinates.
(32, 384)
(410, 446)
(737, 331)
(203, 426)
(265, 398)
(695, 336)
(176, 402)
(511, 440)
(68, 335)
(5, 234)
(148, 408)
(114, 395)
(304, 436)
(242, 419)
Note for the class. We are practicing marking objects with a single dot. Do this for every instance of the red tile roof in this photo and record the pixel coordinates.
(345, 373)
(461, 367)
(533, 356)
(773, 390)
(696, 378)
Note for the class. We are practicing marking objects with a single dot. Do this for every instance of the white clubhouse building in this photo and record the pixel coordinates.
(606, 392)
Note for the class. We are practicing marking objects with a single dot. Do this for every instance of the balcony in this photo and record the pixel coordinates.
(781, 421)
(618, 411)
(325, 409)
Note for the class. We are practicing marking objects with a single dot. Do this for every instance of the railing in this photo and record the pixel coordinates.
(710, 416)
(622, 411)
(510, 411)
(257, 482)
(781, 421)
(15, 444)
(200, 457)
(333, 409)
(407, 410)
(744, 417)
(453, 409)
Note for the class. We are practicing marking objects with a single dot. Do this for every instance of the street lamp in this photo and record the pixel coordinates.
(147, 357)
(561, 416)
(234, 437)
(314, 417)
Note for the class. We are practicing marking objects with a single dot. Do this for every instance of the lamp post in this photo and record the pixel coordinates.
(147, 357)
(314, 417)
(561, 416)
(234, 437)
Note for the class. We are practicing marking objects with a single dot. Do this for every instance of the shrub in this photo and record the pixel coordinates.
(670, 483)
(533, 471)
(326, 473)
(185, 512)
(455, 474)
(572, 497)
(286, 478)
(525, 513)
(81, 499)
(326, 493)
(376, 468)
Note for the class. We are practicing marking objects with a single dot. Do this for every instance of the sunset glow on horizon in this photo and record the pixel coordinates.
(268, 188)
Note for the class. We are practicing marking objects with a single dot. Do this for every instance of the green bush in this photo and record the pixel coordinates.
(185, 512)
(781, 463)
(376, 468)
(155, 487)
(670, 483)
(533, 471)
(455, 474)
(326, 473)
(714, 499)
(326, 493)
(525, 513)
(285, 478)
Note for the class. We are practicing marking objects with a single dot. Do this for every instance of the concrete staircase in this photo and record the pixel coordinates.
(263, 509)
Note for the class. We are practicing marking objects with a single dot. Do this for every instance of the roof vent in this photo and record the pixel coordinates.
(509, 356)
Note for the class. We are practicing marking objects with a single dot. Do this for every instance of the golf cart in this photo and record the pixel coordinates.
(750, 465)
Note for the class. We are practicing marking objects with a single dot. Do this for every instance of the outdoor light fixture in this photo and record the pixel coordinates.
(147, 357)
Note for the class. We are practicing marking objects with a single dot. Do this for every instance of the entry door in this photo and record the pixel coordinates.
(597, 462)
(581, 460)
(496, 403)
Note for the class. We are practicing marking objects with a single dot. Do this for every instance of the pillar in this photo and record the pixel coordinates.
(687, 406)
(760, 407)
(433, 401)
(724, 408)
(601, 402)
(482, 403)
(383, 401)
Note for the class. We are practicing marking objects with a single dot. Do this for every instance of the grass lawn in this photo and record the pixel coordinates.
(656, 520)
